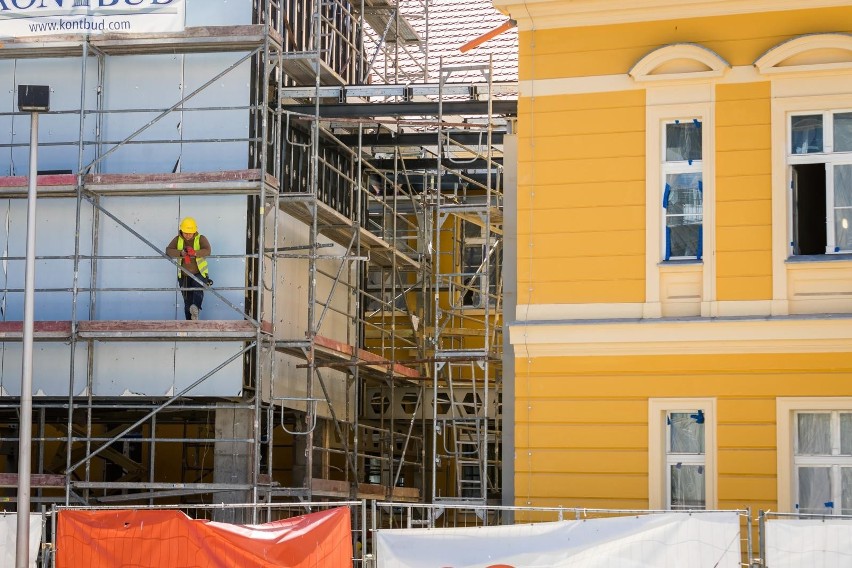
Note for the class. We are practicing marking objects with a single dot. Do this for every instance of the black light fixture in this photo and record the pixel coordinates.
(33, 98)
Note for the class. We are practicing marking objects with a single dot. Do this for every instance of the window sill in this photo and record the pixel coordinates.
(817, 258)
(684, 262)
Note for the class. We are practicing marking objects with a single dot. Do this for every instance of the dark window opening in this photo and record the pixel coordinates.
(809, 215)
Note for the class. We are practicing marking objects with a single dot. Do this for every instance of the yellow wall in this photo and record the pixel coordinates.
(609, 50)
(581, 190)
(581, 435)
(743, 192)
(581, 165)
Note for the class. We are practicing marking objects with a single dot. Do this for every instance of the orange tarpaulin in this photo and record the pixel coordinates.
(170, 539)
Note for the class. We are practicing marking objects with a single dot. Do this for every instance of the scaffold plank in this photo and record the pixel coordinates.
(334, 488)
(168, 329)
(372, 360)
(218, 182)
(42, 330)
(219, 330)
(327, 350)
(36, 480)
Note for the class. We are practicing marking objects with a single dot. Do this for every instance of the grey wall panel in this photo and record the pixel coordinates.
(8, 103)
(194, 360)
(163, 369)
(63, 75)
(55, 228)
(51, 365)
(218, 12)
(143, 82)
(221, 218)
(231, 91)
(122, 369)
(119, 369)
(156, 219)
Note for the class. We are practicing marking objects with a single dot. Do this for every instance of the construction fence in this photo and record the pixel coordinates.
(402, 535)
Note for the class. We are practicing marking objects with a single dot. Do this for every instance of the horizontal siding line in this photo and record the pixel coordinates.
(523, 187)
(542, 422)
(608, 182)
(573, 260)
(526, 104)
(746, 476)
(557, 210)
(562, 281)
(680, 375)
(557, 233)
(735, 199)
(720, 250)
(599, 400)
(582, 160)
(598, 451)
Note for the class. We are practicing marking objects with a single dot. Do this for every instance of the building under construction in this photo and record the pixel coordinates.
(349, 174)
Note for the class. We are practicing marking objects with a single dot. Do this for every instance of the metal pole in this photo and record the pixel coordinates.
(22, 556)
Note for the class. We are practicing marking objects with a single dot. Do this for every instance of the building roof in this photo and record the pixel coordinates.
(451, 24)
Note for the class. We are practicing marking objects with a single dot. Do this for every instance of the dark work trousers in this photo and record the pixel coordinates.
(194, 294)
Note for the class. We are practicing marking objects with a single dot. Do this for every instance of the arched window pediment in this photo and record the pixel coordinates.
(680, 61)
(813, 52)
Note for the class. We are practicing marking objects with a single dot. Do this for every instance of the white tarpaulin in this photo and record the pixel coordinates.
(9, 537)
(705, 540)
(22, 18)
(808, 543)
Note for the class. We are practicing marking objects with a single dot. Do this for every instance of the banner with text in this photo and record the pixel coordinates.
(26, 18)
(670, 540)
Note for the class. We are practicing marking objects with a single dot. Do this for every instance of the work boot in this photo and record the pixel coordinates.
(193, 312)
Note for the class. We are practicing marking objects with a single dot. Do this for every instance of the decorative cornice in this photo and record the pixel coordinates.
(679, 61)
(808, 53)
(549, 14)
(690, 337)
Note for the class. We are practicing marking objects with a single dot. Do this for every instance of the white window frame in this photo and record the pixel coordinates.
(681, 167)
(787, 410)
(659, 482)
(666, 104)
(828, 157)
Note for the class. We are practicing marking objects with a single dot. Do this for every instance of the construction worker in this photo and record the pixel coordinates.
(192, 248)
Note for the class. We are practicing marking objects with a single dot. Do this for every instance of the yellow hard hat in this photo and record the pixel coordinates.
(188, 225)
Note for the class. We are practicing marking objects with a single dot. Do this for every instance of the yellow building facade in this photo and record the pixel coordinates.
(683, 329)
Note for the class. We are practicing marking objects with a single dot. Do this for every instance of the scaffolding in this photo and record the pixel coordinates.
(358, 354)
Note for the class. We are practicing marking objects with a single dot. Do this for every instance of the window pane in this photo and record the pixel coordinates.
(843, 132)
(846, 434)
(683, 240)
(807, 134)
(843, 185)
(684, 213)
(842, 234)
(687, 432)
(683, 141)
(814, 490)
(683, 196)
(846, 490)
(687, 486)
(814, 434)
